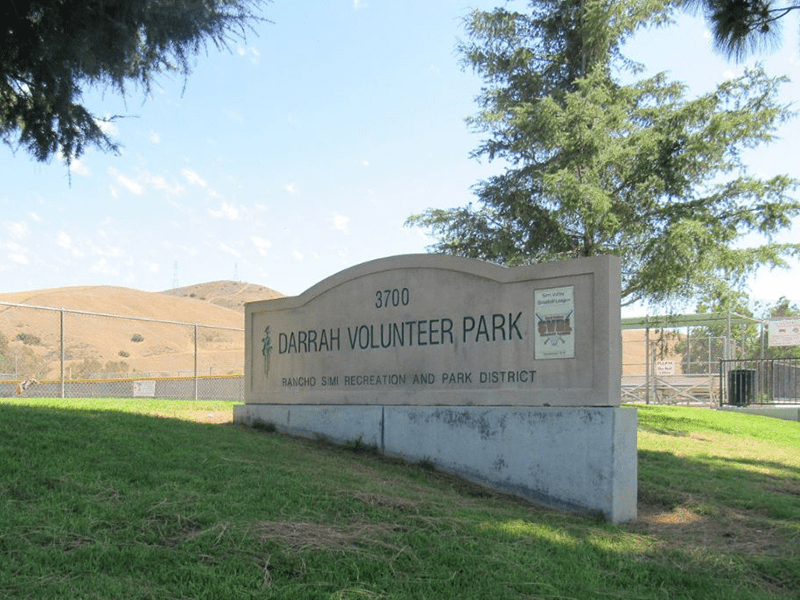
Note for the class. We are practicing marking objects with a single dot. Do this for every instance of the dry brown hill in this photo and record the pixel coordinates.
(229, 294)
(103, 344)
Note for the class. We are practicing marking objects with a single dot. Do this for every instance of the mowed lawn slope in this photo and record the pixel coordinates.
(128, 499)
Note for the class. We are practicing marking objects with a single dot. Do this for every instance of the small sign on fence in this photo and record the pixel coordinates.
(665, 368)
(144, 389)
(784, 332)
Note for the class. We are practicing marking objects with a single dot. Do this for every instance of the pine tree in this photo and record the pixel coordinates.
(742, 27)
(50, 50)
(593, 165)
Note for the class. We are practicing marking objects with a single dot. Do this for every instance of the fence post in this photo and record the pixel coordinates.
(727, 354)
(195, 361)
(689, 348)
(62, 352)
(647, 359)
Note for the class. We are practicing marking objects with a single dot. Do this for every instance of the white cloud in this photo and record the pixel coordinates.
(18, 258)
(63, 240)
(77, 167)
(113, 252)
(154, 137)
(291, 188)
(357, 4)
(251, 53)
(226, 211)
(35, 217)
(129, 184)
(193, 178)
(102, 267)
(17, 230)
(340, 222)
(108, 126)
(261, 244)
(17, 253)
(229, 250)
(104, 251)
(162, 185)
(297, 255)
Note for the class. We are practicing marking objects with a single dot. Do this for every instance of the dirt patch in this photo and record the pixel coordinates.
(725, 531)
(220, 417)
(791, 488)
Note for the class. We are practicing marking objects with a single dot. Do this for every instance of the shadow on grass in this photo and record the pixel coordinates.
(726, 505)
(688, 421)
(763, 464)
(670, 481)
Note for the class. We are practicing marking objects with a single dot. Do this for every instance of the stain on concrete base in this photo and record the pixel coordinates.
(577, 459)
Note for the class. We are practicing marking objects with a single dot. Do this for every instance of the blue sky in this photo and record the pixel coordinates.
(299, 153)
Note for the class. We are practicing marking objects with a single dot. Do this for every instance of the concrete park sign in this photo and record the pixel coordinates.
(437, 330)
(509, 377)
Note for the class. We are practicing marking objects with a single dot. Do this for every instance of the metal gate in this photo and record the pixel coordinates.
(759, 381)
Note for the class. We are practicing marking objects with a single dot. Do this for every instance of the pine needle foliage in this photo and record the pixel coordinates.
(595, 164)
(741, 28)
(54, 49)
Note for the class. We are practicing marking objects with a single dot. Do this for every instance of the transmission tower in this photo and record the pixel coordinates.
(175, 282)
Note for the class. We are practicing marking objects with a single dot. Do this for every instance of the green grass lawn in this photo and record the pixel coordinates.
(110, 499)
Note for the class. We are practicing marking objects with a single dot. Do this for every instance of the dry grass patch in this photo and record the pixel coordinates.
(304, 536)
(728, 530)
(785, 487)
(218, 417)
(391, 502)
(196, 416)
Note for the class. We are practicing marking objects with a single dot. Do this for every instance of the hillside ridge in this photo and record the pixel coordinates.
(226, 293)
(30, 338)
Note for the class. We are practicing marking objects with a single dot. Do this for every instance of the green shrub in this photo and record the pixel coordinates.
(119, 366)
(29, 339)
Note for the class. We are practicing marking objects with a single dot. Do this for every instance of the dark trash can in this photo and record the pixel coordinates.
(741, 387)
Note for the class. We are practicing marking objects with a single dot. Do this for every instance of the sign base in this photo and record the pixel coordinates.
(579, 459)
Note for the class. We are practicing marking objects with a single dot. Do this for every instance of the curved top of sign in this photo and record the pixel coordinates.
(445, 262)
(429, 329)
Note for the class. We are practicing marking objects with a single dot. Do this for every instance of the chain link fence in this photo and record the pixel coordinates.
(71, 353)
(688, 359)
(82, 354)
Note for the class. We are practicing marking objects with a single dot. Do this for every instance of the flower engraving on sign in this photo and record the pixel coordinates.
(266, 349)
